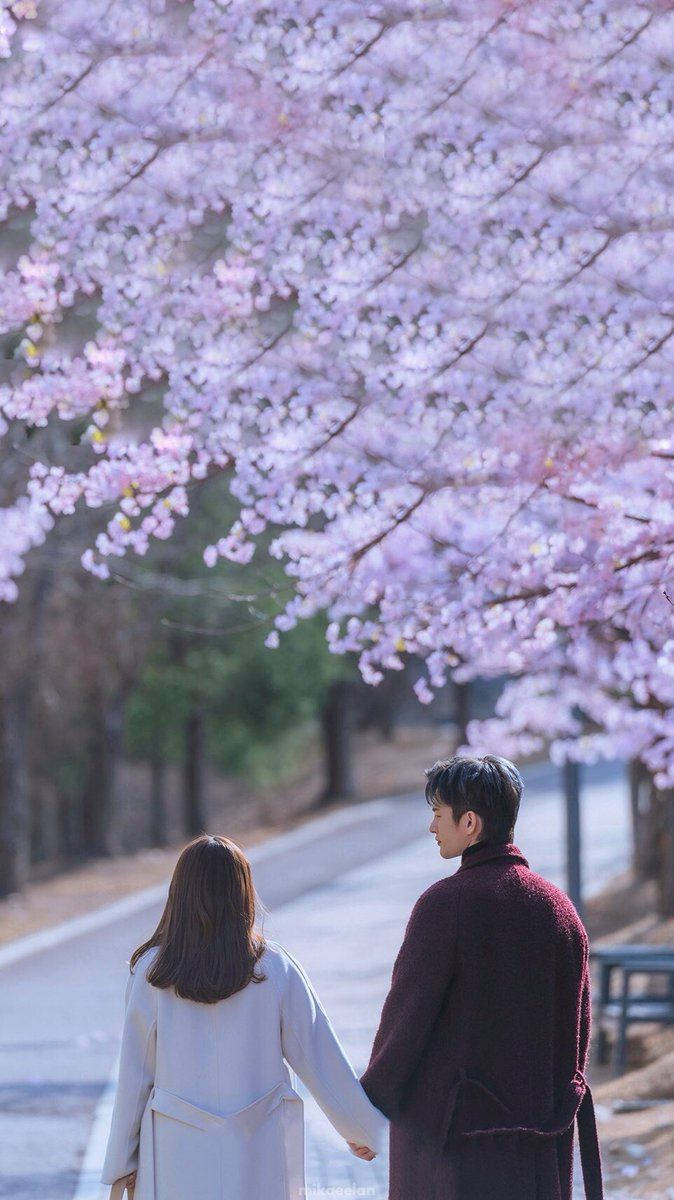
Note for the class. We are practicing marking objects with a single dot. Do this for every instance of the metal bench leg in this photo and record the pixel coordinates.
(601, 1042)
(620, 1053)
(601, 1046)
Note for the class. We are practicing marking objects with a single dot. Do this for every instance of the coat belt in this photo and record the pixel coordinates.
(172, 1105)
(576, 1105)
(238, 1125)
(588, 1141)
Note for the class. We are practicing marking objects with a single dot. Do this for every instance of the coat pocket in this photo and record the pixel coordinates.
(477, 1110)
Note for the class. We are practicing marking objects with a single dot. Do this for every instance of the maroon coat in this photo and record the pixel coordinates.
(480, 1054)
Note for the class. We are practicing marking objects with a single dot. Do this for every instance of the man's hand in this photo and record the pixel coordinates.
(361, 1151)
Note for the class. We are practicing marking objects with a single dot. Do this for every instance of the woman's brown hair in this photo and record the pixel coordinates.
(208, 943)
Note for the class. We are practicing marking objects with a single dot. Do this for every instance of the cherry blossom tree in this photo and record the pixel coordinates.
(401, 270)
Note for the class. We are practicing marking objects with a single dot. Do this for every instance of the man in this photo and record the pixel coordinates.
(481, 1050)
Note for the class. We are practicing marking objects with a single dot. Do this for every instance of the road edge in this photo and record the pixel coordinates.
(135, 902)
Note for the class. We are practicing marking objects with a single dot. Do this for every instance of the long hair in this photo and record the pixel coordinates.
(208, 943)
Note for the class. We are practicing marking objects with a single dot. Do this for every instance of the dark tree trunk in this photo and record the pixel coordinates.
(195, 816)
(378, 707)
(45, 832)
(21, 642)
(15, 817)
(644, 821)
(70, 825)
(101, 833)
(462, 710)
(337, 720)
(158, 823)
(665, 874)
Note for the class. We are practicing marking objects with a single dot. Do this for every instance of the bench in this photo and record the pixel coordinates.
(623, 1007)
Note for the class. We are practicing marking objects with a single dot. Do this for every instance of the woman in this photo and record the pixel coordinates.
(205, 1108)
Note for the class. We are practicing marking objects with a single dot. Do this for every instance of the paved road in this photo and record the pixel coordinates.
(338, 896)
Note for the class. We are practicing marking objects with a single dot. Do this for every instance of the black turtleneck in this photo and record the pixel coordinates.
(484, 842)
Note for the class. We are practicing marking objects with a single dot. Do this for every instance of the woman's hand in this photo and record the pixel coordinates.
(129, 1182)
(361, 1151)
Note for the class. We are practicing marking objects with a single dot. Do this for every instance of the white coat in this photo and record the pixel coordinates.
(205, 1106)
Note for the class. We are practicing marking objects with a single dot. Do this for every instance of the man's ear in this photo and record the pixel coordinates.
(477, 824)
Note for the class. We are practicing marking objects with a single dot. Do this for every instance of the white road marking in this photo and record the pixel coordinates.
(89, 1186)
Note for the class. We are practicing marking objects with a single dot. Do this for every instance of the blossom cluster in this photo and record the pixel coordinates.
(402, 269)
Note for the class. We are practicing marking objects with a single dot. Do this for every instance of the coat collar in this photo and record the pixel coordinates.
(504, 850)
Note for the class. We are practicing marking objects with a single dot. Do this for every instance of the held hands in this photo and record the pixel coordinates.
(128, 1182)
(361, 1151)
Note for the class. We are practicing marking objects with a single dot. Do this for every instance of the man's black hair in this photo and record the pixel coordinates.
(489, 786)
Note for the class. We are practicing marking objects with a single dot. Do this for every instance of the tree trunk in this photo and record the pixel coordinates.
(665, 875)
(644, 815)
(101, 833)
(158, 823)
(337, 718)
(15, 822)
(21, 642)
(379, 707)
(195, 817)
(45, 833)
(462, 710)
(70, 824)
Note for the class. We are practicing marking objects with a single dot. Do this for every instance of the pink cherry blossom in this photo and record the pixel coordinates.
(403, 271)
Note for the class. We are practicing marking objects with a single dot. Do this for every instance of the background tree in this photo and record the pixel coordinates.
(401, 274)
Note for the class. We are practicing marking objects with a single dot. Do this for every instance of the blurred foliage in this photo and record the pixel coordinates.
(260, 704)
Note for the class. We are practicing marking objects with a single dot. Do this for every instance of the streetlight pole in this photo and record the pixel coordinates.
(571, 781)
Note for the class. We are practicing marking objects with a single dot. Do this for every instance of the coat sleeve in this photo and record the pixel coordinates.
(313, 1050)
(136, 1076)
(421, 975)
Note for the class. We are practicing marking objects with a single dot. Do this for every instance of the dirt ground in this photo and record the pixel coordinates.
(637, 1142)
